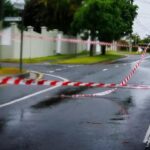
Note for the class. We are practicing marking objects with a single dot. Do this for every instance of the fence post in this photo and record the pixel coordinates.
(59, 43)
(13, 35)
(30, 30)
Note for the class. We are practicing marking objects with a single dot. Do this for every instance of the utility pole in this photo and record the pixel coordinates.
(21, 46)
(20, 7)
(1, 18)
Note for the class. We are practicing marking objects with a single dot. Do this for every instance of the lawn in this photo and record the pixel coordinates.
(39, 59)
(91, 60)
(82, 58)
(9, 71)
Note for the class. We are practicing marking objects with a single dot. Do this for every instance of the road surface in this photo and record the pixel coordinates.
(38, 118)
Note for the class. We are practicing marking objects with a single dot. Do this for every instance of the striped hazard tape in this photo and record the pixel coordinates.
(16, 37)
(22, 81)
(132, 72)
(123, 84)
(90, 95)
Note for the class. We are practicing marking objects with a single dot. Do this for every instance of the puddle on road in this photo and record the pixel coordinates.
(92, 124)
(141, 98)
(2, 124)
(123, 113)
(60, 98)
(117, 119)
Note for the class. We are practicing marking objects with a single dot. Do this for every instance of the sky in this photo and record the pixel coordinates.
(142, 22)
(17, 0)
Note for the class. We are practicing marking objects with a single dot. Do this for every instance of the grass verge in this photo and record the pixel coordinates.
(73, 59)
(9, 71)
(91, 60)
(40, 59)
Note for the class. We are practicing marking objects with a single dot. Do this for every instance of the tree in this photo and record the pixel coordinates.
(106, 19)
(146, 40)
(34, 14)
(1, 12)
(135, 39)
(51, 13)
(7, 10)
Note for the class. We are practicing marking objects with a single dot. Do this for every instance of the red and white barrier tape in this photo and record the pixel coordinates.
(123, 84)
(132, 72)
(22, 81)
(90, 95)
(72, 40)
(69, 40)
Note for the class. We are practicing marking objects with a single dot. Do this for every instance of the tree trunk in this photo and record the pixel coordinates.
(103, 49)
(92, 50)
(92, 47)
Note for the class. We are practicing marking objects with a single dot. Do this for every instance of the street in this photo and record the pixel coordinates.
(38, 118)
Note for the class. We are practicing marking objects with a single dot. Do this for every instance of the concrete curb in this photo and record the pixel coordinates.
(23, 75)
(28, 74)
(36, 75)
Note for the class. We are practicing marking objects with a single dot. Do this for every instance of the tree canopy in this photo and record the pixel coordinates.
(51, 13)
(1, 8)
(145, 40)
(7, 10)
(106, 19)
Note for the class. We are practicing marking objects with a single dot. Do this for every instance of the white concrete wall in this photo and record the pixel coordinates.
(68, 47)
(6, 43)
(39, 44)
(34, 44)
(82, 46)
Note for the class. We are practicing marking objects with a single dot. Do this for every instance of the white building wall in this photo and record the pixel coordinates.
(68, 47)
(34, 44)
(46, 43)
(6, 44)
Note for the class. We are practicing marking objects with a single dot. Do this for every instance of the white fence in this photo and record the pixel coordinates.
(38, 44)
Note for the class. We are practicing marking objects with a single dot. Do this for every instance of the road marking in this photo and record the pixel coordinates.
(105, 92)
(64, 79)
(51, 88)
(70, 66)
(28, 96)
(51, 71)
(46, 63)
(58, 69)
(147, 137)
(105, 69)
(34, 94)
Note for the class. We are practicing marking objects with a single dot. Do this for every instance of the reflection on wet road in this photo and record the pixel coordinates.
(49, 121)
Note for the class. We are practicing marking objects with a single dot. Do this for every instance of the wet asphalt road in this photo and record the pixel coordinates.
(45, 121)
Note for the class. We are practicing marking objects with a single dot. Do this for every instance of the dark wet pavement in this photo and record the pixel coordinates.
(50, 122)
